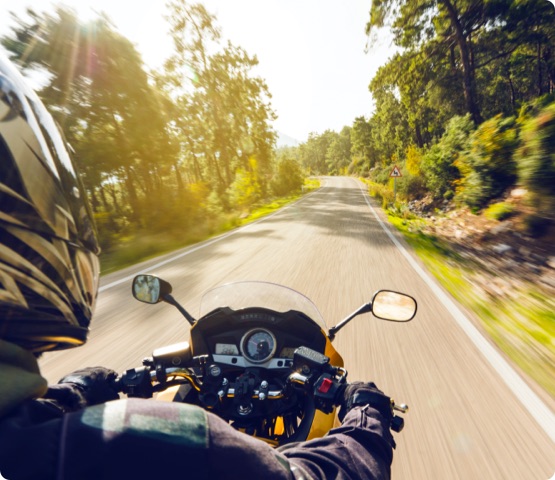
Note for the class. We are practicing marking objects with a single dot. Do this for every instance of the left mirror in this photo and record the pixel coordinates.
(150, 289)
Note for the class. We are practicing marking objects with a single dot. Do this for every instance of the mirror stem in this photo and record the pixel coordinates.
(366, 308)
(172, 301)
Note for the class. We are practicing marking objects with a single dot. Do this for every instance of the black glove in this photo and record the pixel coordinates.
(89, 386)
(359, 393)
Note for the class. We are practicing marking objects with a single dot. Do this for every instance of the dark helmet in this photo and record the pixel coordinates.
(48, 248)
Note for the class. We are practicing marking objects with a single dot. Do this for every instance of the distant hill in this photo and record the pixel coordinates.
(286, 141)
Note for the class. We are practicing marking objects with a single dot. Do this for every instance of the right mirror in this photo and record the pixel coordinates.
(393, 306)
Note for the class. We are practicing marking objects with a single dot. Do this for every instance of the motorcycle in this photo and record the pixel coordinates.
(259, 356)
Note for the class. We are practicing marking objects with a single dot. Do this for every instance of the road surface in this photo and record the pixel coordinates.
(464, 421)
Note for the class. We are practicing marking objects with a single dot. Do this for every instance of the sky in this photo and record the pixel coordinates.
(311, 53)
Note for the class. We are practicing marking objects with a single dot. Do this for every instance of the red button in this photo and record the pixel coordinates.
(325, 386)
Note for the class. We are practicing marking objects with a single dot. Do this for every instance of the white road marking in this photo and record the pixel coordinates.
(535, 406)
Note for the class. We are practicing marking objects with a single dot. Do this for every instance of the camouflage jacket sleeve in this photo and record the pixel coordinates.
(133, 438)
(361, 448)
(145, 439)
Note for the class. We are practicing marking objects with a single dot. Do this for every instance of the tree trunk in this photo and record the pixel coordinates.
(469, 87)
(513, 96)
(113, 194)
(94, 200)
(132, 192)
(419, 139)
(540, 80)
(178, 177)
(107, 207)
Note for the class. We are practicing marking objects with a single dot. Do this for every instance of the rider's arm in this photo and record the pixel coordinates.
(148, 439)
(362, 448)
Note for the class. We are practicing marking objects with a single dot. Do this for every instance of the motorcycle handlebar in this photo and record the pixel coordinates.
(326, 392)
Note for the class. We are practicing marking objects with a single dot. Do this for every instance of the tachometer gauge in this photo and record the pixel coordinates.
(258, 345)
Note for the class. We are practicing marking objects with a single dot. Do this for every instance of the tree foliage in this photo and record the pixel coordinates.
(536, 159)
(488, 167)
(438, 164)
(288, 177)
(157, 149)
(223, 111)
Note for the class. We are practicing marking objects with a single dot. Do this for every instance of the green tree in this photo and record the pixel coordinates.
(338, 155)
(288, 177)
(313, 152)
(363, 154)
(246, 190)
(99, 92)
(224, 112)
(418, 21)
(499, 52)
(390, 131)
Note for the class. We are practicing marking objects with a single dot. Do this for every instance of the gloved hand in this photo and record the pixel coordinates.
(360, 393)
(88, 386)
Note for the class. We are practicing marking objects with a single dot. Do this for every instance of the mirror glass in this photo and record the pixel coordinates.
(146, 288)
(395, 306)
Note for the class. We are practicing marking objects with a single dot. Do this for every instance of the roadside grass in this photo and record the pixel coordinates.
(522, 325)
(144, 246)
(499, 211)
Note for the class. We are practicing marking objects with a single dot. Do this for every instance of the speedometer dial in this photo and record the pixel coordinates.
(258, 345)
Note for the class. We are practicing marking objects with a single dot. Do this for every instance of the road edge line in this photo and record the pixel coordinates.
(527, 397)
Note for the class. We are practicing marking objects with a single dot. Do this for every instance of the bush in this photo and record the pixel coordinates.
(438, 164)
(246, 189)
(357, 166)
(499, 211)
(536, 159)
(488, 168)
(381, 192)
(287, 179)
(412, 187)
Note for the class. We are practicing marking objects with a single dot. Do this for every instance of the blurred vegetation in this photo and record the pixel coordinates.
(499, 211)
(189, 148)
(522, 325)
(143, 245)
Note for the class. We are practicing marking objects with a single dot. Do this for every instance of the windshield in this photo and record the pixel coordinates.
(240, 295)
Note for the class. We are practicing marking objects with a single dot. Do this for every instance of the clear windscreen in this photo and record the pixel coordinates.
(240, 295)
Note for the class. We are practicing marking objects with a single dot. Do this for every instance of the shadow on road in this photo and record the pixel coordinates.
(340, 212)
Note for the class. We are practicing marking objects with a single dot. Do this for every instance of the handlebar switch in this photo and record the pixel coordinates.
(325, 392)
(211, 387)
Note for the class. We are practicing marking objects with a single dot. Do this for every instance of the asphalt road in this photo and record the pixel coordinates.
(464, 421)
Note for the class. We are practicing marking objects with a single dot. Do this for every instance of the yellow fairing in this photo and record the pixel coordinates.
(335, 359)
(169, 394)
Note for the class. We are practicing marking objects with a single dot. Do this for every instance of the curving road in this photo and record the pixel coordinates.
(466, 420)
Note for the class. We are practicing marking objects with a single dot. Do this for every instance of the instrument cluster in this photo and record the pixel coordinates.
(257, 347)
(255, 337)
